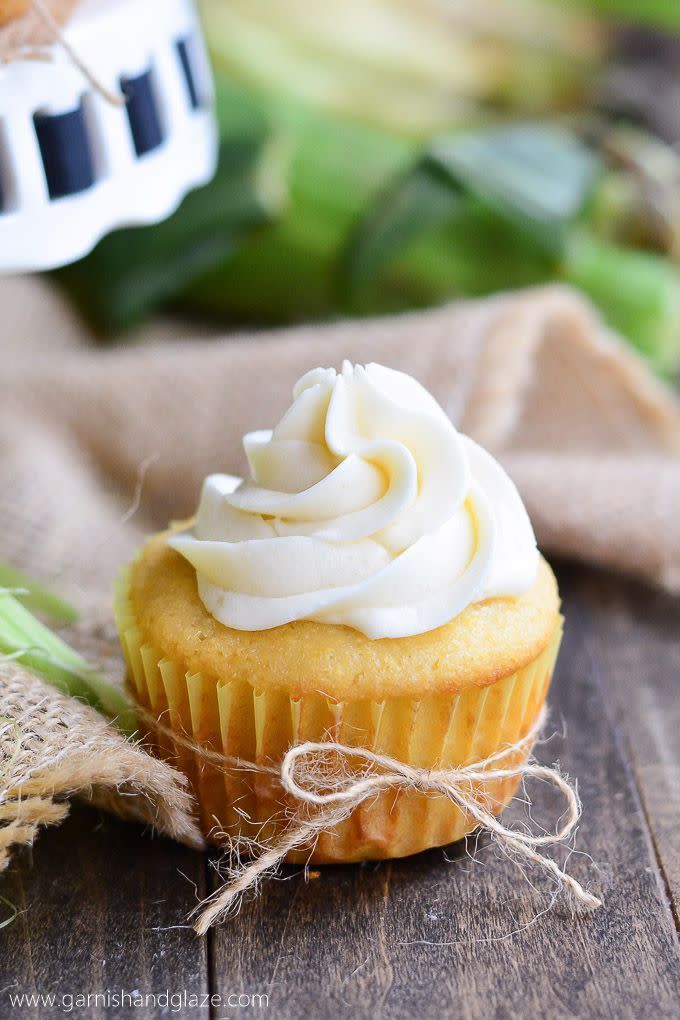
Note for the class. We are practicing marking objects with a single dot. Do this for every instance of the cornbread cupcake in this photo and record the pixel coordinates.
(374, 581)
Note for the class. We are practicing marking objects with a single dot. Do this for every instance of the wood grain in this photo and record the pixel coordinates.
(97, 899)
(633, 637)
(433, 936)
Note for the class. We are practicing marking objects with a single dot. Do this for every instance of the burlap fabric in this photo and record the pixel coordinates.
(592, 440)
(52, 748)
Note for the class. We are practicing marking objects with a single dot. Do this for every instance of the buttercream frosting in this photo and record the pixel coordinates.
(364, 507)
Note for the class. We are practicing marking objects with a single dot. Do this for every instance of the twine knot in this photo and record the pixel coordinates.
(329, 780)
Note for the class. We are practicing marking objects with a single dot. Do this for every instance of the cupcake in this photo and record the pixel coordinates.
(374, 581)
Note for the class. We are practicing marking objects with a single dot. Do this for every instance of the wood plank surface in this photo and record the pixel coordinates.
(97, 901)
(633, 637)
(439, 935)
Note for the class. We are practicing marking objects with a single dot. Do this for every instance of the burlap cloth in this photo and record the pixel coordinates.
(592, 440)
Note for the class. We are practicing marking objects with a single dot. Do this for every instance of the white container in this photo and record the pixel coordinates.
(72, 165)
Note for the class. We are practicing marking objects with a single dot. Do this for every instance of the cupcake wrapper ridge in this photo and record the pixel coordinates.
(240, 720)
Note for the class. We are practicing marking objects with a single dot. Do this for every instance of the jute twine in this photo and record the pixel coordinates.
(32, 36)
(318, 778)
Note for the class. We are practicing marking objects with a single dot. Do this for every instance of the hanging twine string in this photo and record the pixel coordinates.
(323, 781)
(42, 11)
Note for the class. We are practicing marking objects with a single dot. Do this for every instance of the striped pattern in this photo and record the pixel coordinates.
(68, 142)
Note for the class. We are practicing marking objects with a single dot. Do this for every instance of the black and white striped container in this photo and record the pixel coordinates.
(73, 166)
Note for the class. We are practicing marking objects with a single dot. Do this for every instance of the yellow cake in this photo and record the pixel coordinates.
(446, 696)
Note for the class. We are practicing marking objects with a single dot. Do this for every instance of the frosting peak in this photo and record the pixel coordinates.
(364, 507)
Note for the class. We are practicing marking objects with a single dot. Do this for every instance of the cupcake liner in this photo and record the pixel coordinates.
(241, 720)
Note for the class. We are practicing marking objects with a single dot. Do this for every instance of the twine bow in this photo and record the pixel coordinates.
(327, 794)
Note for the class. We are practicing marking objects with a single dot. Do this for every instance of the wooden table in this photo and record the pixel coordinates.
(103, 905)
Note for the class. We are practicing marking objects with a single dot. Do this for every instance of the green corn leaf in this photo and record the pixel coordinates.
(538, 175)
(475, 254)
(657, 13)
(133, 272)
(33, 596)
(423, 200)
(288, 270)
(535, 178)
(25, 640)
(638, 293)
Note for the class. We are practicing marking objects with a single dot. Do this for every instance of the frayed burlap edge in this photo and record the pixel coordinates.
(53, 747)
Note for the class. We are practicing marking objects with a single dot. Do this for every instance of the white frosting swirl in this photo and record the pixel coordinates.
(364, 507)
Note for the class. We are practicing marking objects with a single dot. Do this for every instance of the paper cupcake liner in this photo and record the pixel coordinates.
(241, 720)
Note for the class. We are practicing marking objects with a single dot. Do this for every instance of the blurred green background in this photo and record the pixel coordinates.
(380, 155)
